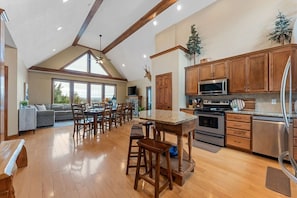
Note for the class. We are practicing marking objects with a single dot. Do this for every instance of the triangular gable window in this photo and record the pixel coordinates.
(87, 63)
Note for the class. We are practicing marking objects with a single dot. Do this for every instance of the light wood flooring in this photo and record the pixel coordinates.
(63, 167)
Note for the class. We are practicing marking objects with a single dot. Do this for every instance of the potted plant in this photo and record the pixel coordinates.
(24, 103)
(282, 31)
(194, 43)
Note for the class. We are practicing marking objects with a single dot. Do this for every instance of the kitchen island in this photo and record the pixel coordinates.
(179, 124)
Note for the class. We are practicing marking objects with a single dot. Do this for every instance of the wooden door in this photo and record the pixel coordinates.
(191, 78)
(164, 91)
(237, 81)
(257, 73)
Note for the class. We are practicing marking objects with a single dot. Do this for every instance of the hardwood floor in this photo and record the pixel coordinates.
(60, 166)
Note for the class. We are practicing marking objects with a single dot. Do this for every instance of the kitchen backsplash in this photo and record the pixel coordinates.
(263, 101)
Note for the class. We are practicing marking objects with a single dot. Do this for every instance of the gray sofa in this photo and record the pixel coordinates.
(62, 112)
(45, 116)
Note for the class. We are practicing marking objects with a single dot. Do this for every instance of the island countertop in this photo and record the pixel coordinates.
(167, 116)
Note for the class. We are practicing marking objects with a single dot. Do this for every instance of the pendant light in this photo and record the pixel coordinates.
(100, 58)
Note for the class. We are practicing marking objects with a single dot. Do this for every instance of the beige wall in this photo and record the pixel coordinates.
(40, 85)
(17, 75)
(141, 88)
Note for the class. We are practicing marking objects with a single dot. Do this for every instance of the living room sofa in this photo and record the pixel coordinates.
(45, 116)
(62, 112)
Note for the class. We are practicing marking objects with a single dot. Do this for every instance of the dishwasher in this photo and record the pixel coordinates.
(269, 136)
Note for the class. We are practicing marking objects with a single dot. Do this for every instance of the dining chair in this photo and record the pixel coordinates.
(117, 116)
(107, 119)
(80, 120)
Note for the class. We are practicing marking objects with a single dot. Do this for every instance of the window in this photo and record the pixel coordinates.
(68, 91)
(61, 92)
(87, 63)
(109, 91)
(96, 93)
(80, 93)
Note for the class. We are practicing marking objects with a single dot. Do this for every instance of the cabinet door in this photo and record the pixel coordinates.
(257, 73)
(237, 80)
(191, 77)
(220, 70)
(205, 72)
(278, 59)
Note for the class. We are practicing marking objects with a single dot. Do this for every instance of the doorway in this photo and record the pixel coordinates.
(148, 98)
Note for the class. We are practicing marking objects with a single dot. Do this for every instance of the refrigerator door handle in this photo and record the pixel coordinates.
(283, 91)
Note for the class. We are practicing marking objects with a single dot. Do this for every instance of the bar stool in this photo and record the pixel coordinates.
(135, 134)
(157, 148)
(147, 125)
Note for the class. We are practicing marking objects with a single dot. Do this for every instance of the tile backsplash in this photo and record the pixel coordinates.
(263, 100)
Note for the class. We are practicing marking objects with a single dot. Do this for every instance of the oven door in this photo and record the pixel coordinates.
(211, 122)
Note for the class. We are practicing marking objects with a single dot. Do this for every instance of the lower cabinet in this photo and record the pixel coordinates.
(27, 119)
(238, 131)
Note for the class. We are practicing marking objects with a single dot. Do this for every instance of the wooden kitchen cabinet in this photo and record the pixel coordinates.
(277, 61)
(215, 70)
(237, 76)
(249, 74)
(164, 93)
(192, 78)
(238, 131)
(190, 111)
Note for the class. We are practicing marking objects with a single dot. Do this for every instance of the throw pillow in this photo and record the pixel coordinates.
(41, 107)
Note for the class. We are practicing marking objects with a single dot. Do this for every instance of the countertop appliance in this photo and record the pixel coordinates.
(286, 98)
(211, 121)
(213, 87)
(267, 134)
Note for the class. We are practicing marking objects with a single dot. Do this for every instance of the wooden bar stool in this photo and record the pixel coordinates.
(135, 135)
(157, 148)
(147, 125)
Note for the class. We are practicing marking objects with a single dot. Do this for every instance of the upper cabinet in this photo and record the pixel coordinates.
(249, 73)
(214, 70)
(277, 61)
(192, 79)
(255, 72)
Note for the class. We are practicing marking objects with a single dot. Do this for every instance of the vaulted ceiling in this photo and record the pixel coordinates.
(126, 27)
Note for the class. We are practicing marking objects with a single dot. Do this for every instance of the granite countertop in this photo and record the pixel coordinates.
(167, 116)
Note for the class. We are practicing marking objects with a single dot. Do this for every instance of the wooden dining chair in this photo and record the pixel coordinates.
(80, 120)
(117, 116)
(107, 119)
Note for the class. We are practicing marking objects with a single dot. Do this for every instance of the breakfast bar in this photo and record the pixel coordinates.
(179, 124)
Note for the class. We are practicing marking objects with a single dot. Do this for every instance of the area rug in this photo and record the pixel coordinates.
(277, 181)
(206, 146)
(63, 123)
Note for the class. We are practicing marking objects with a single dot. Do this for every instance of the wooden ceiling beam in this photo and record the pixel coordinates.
(163, 5)
(87, 21)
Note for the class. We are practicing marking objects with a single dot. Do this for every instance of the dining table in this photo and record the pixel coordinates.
(95, 112)
(179, 124)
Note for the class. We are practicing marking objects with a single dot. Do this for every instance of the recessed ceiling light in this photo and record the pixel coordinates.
(64, 1)
(144, 56)
(155, 23)
(178, 7)
(123, 65)
(54, 50)
(59, 28)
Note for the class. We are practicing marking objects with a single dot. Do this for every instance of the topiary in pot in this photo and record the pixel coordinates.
(282, 31)
(194, 43)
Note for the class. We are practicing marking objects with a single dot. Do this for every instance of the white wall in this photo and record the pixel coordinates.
(229, 27)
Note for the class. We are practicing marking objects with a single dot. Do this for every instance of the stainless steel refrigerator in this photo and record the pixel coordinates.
(286, 107)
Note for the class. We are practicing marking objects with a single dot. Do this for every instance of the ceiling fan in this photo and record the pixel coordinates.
(99, 59)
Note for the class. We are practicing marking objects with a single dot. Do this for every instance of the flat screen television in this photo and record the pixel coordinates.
(132, 91)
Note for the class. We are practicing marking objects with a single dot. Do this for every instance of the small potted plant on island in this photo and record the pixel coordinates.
(24, 103)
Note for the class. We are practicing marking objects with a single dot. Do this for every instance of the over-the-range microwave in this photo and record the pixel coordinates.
(213, 87)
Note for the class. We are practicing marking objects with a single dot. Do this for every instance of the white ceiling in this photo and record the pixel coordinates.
(33, 27)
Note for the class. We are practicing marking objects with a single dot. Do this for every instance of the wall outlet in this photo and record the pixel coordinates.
(273, 101)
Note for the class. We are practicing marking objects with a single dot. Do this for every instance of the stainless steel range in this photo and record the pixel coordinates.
(211, 121)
